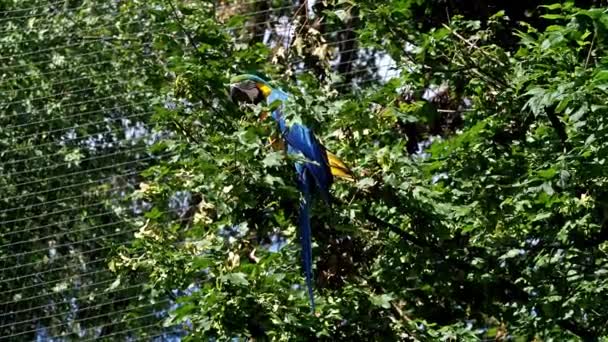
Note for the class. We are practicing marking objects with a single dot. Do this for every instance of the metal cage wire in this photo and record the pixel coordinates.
(46, 191)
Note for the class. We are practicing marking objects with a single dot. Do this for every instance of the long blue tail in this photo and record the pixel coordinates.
(305, 237)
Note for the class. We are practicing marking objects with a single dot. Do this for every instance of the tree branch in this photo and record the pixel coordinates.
(179, 22)
(466, 41)
(559, 128)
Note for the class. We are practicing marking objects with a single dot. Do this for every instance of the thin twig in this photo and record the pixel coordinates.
(403, 316)
(294, 23)
(466, 41)
(184, 31)
(414, 240)
(185, 131)
(451, 111)
(590, 50)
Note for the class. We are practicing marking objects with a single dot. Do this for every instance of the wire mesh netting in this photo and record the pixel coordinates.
(75, 99)
(77, 83)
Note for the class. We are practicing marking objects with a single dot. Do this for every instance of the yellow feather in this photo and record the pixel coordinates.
(338, 168)
(266, 90)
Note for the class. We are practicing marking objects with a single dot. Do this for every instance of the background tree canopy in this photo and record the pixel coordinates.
(140, 202)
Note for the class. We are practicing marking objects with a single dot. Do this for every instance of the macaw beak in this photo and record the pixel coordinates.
(240, 94)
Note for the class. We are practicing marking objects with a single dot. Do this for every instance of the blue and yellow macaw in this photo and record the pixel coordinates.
(317, 173)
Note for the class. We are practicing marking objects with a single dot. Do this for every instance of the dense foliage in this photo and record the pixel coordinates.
(495, 228)
(75, 85)
(479, 209)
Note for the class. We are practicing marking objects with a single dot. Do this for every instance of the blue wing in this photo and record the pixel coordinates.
(301, 139)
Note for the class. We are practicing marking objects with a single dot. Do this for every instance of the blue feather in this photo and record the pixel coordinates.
(301, 139)
(305, 235)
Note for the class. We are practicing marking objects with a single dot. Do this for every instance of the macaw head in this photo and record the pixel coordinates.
(249, 89)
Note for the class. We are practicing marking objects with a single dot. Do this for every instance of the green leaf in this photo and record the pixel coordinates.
(383, 300)
(512, 253)
(553, 16)
(561, 106)
(273, 159)
(115, 284)
(154, 213)
(601, 76)
(342, 15)
(552, 7)
(548, 173)
(181, 313)
(590, 139)
(201, 263)
(236, 278)
(366, 183)
(541, 216)
(547, 188)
